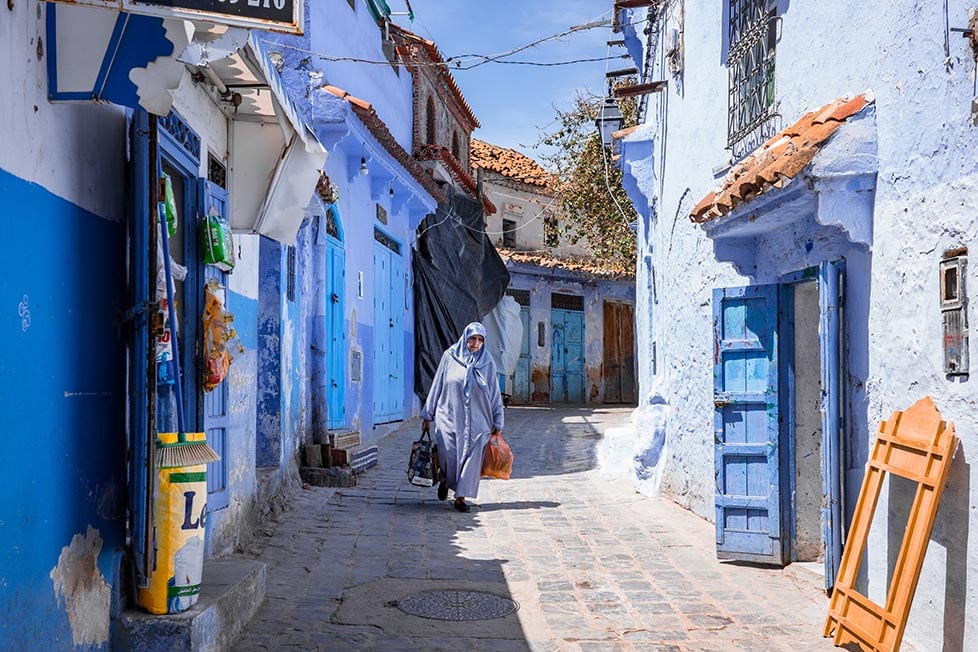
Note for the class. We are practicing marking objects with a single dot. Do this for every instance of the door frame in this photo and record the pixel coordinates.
(830, 277)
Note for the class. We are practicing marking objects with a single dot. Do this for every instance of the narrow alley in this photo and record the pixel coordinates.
(590, 564)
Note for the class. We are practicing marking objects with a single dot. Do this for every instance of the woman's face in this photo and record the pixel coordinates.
(474, 343)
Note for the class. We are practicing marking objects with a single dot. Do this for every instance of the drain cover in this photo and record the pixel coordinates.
(457, 605)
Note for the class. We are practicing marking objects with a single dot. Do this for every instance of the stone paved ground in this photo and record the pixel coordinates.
(592, 565)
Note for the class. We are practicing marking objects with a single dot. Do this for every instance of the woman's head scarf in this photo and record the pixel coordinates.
(474, 363)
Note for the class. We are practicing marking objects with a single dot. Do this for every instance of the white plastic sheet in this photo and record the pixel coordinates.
(504, 334)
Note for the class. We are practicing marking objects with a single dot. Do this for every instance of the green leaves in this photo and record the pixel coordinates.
(595, 207)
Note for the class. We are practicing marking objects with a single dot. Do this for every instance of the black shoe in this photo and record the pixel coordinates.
(442, 490)
(462, 506)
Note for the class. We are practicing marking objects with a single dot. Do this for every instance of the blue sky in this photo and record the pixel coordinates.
(514, 102)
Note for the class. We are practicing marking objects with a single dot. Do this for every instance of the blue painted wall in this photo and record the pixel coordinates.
(63, 401)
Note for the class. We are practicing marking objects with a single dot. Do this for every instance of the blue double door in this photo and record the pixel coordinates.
(774, 359)
(567, 356)
(389, 306)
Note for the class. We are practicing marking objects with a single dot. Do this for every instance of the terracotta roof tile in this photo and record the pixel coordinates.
(587, 267)
(778, 160)
(509, 163)
(443, 154)
(436, 57)
(379, 130)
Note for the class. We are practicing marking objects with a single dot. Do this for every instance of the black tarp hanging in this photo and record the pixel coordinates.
(458, 278)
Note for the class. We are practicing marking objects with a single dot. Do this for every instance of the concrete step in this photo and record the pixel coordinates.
(345, 439)
(333, 476)
(231, 592)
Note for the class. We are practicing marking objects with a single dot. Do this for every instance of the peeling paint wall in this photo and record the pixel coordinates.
(82, 590)
(922, 77)
(62, 291)
(541, 284)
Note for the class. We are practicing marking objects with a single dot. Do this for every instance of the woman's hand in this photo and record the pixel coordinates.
(425, 425)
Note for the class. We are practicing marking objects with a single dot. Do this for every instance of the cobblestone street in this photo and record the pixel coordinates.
(591, 564)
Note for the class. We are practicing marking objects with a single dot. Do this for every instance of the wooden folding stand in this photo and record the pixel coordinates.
(917, 445)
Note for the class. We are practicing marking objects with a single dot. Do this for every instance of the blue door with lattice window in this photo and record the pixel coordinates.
(567, 349)
(389, 298)
(746, 425)
(335, 321)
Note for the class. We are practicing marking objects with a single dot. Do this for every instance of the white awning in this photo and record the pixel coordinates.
(275, 155)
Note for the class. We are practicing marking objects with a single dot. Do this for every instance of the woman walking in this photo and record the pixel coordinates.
(465, 404)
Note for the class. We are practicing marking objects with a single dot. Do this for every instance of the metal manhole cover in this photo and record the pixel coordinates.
(457, 605)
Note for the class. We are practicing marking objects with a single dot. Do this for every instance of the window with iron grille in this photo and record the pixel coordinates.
(290, 274)
(752, 36)
(566, 301)
(216, 172)
(509, 233)
(522, 296)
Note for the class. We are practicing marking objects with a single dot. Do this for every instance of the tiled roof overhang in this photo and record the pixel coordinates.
(579, 267)
(509, 163)
(443, 154)
(435, 56)
(778, 160)
(368, 116)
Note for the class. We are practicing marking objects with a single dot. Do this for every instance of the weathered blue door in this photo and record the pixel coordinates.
(830, 276)
(567, 356)
(521, 379)
(388, 385)
(746, 427)
(214, 199)
(335, 326)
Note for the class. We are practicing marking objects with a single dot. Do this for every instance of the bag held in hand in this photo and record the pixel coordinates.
(422, 468)
(497, 462)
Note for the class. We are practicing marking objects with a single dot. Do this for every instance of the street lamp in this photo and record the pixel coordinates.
(609, 121)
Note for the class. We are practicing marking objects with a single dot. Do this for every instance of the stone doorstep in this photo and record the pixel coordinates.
(232, 590)
(344, 438)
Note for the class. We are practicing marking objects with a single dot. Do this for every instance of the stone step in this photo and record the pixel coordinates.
(345, 439)
(333, 476)
(231, 591)
(362, 459)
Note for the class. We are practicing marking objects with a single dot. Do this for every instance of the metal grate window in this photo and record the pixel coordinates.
(217, 173)
(290, 273)
(522, 296)
(567, 301)
(387, 241)
(332, 225)
(752, 36)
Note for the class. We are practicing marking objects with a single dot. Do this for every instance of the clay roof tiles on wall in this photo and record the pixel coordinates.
(508, 162)
(368, 115)
(778, 160)
(435, 55)
(592, 268)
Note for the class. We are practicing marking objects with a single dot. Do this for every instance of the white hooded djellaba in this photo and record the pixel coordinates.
(465, 406)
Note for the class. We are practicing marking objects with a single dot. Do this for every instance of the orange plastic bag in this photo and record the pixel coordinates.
(497, 462)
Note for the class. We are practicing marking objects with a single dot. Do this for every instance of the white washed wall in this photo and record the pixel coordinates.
(926, 203)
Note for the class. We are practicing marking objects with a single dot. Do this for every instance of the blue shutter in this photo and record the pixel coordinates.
(748, 510)
(216, 402)
(140, 494)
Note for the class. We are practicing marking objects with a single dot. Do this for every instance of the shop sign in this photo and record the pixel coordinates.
(275, 15)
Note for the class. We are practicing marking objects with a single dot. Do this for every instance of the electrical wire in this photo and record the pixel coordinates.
(483, 59)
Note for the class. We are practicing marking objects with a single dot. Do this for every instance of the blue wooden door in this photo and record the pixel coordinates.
(388, 385)
(335, 337)
(830, 324)
(142, 293)
(746, 434)
(567, 356)
(335, 322)
(521, 379)
(216, 402)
